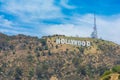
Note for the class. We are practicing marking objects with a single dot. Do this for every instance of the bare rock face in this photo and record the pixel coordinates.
(53, 78)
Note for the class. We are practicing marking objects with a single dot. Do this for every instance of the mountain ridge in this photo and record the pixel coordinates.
(43, 59)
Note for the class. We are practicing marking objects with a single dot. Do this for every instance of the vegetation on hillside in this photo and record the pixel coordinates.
(114, 72)
(30, 58)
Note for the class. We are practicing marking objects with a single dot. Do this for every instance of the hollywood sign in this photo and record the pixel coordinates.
(73, 42)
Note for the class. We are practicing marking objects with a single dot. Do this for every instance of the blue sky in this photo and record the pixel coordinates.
(68, 17)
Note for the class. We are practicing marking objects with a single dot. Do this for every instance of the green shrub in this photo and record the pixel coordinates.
(41, 71)
(56, 46)
(43, 41)
(38, 54)
(107, 78)
(119, 77)
(18, 73)
(49, 53)
(106, 73)
(81, 49)
(4, 65)
(30, 58)
(116, 69)
(46, 48)
(13, 52)
(31, 73)
(81, 70)
(1, 70)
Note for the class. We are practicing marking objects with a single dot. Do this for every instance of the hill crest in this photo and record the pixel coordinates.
(44, 59)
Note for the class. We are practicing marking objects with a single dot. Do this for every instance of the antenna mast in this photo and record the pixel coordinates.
(94, 33)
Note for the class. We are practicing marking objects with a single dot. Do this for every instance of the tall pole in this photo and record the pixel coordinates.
(94, 33)
(95, 27)
(94, 22)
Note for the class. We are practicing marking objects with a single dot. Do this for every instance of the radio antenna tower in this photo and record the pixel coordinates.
(94, 33)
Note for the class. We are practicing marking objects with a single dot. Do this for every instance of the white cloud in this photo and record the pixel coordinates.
(7, 26)
(5, 22)
(67, 29)
(80, 25)
(33, 9)
(108, 27)
(65, 4)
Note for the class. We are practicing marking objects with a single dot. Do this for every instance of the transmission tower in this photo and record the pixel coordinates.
(94, 33)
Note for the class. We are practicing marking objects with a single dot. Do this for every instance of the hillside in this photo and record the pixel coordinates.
(30, 58)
